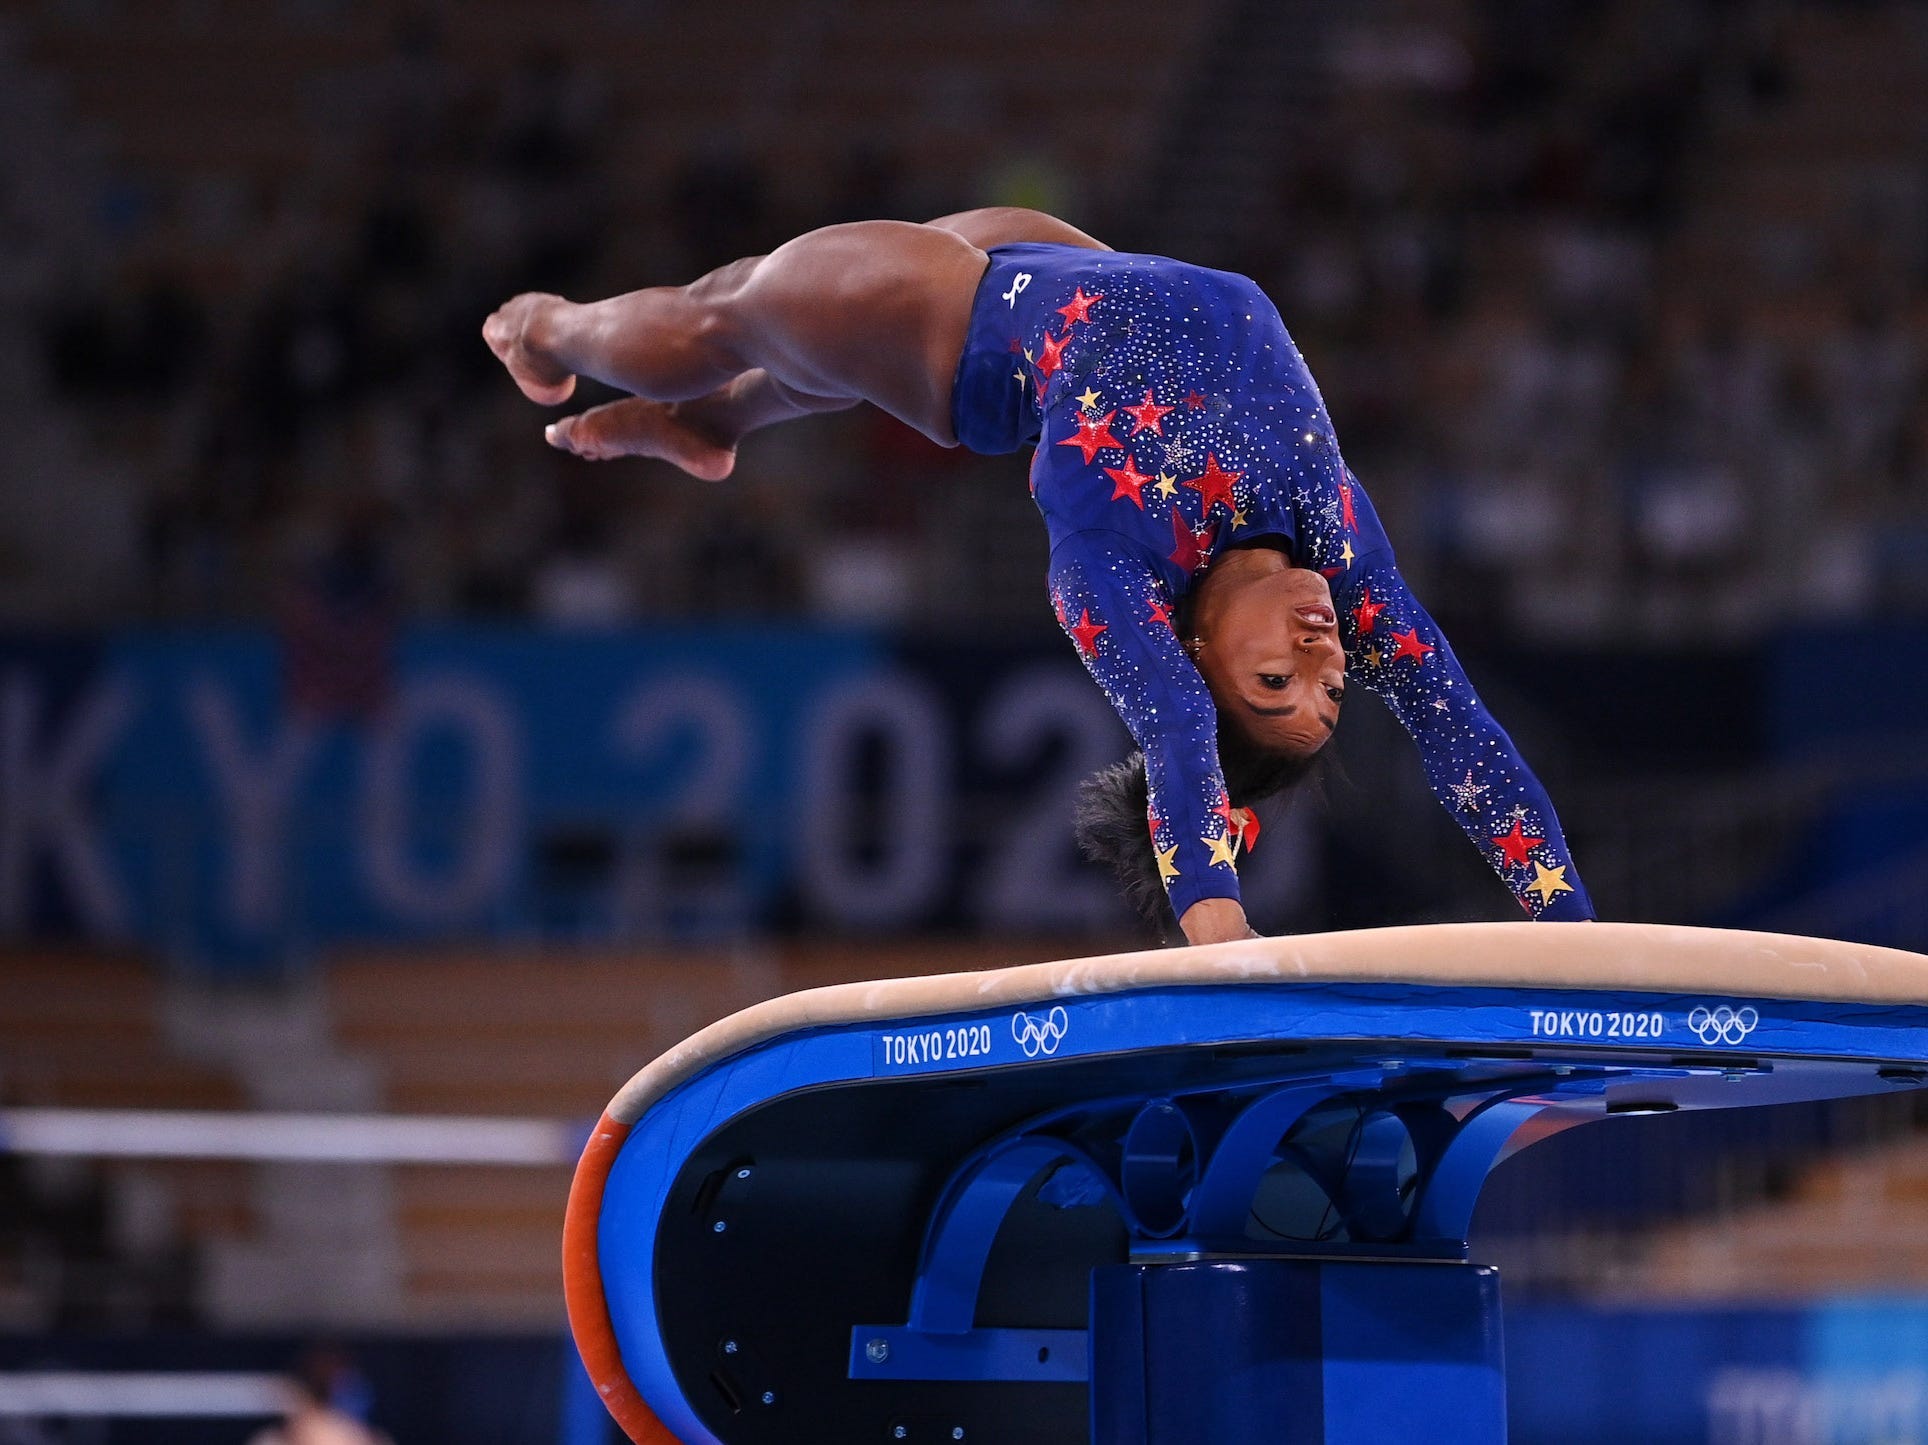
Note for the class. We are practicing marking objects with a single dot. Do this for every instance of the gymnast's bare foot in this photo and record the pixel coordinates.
(634, 427)
(514, 333)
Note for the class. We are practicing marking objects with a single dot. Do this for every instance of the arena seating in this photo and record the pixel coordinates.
(546, 1035)
(1851, 1223)
(474, 1032)
(103, 1241)
(83, 1029)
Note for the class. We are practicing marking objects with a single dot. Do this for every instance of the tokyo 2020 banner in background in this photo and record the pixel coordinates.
(205, 794)
(168, 789)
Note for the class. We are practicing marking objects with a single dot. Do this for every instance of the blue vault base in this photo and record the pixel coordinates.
(1297, 1352)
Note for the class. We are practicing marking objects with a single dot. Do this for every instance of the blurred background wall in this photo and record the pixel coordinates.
(357, 752)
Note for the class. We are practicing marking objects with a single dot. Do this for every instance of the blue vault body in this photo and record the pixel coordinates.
(1164, 1215)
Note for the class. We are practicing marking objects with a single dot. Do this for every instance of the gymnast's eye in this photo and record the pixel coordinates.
(1274, 681)
(1337, 694)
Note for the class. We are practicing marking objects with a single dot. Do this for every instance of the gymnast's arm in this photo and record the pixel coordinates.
(1014, 226)
(1117, 613)
(1398, 651)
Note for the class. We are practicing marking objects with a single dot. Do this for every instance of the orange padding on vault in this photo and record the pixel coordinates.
(582, 1290)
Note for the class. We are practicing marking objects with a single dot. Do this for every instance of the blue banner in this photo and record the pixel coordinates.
(1839, 1372)
(185, 790)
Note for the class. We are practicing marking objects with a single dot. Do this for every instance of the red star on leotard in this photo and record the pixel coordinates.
(1094, 435)
(1078, 310)
(1159, 613)
(1213, 485)
(1156, 822)
(1366, 614)
(1192, 547)
(1517, 844)
(1193, 401)
(1225, 810)
(1345, 506)
(1128, 483)
(1052, 356)
(1146, 416)
(1057, 604)
(1086, 632)
(1409, 645)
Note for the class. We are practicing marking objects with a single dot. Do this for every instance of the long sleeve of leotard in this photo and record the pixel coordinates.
(1397, 650)
(1117, 613)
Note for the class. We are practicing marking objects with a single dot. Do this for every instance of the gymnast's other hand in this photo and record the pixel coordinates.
(1215, 920)
(634, 427)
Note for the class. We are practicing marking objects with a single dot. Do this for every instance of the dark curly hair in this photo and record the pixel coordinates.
(1114, 802)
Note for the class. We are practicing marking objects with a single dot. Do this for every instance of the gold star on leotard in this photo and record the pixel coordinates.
(1372, 657)
(1167, 869)
(1238, 519)
(1223, 850)
(1548, 881)
(1167, 485)
(1346, 552)
(1089, 399)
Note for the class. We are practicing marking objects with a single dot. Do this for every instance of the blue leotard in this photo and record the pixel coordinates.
(1174, 417)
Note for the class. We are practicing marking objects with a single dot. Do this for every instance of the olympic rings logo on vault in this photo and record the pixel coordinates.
(1040, 1035)
(1722, 1025)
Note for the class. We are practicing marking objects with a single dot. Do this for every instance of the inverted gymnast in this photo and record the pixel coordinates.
(1219, 569)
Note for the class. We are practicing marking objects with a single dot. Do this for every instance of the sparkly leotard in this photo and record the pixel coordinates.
(1174, 417)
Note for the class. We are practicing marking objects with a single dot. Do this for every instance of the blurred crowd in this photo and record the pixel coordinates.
(1618, 317)
(1622, 320)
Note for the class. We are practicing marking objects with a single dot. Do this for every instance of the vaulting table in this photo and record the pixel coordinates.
(1199, 1196)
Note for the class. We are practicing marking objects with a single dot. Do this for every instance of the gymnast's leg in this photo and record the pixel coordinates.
(700, 435)
(873, 311)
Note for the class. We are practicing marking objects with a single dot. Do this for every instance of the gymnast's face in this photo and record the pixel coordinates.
(1267, 644)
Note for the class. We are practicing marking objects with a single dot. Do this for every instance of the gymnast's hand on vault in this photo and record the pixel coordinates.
(1215, 920)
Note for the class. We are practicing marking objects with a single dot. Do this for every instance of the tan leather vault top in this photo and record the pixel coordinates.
(1637, 957)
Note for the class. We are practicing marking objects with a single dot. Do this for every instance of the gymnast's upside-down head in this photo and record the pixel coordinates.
(1264, 636)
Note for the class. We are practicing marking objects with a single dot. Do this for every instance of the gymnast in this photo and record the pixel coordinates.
(1220, 571)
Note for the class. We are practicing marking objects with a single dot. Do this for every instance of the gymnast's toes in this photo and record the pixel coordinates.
(580, 436)
(508, 333)
(634, 427)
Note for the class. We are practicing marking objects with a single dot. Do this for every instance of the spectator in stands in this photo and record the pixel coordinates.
(328, 1393)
